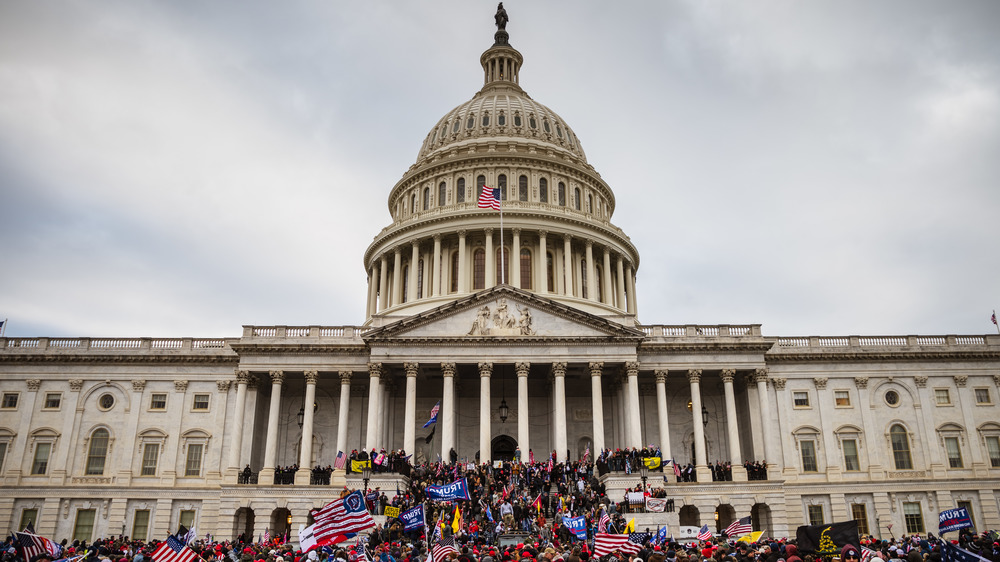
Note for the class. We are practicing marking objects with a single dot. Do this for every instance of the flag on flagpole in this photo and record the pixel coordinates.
(341, 517)
(537, 504)
(442, 549)
(307, 538)
(267, 536)
(31, 544)
(677, 469)
(739, 527)
(171, 550)
(456, 523)
(340, 461)
(606, 543)
(630, 526)
(751, 538)
(602, 524)
(489, 198)
(992, 318)
(360, 551)
(434, 415)
(705, 533)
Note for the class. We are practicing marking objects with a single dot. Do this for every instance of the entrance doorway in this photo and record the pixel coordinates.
(502, 448)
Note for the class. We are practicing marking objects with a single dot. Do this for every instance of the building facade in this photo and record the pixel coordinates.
(136, 436)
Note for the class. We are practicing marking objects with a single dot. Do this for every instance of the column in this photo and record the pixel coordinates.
(630, 287)
(663, 417)
(305, 449)
(591, 273)
(397, 272)
(411, 289)
(515, 259)
(436, 276)
(463, 266)
(635, 422)
(760, 377)
(271, 445)
(491, 261)
(597, 398)
(701, 464)
(448, 410)
(732, 427)
(543, 265)
(559, 390)
(485, 429)
(608, 296)
(622, 303)
(236, 439)
(383, 272)
(523, 428)
(936, 461)
(410, 410)
(375, 377)
(342, 415)
(371, 304)
(568, 265)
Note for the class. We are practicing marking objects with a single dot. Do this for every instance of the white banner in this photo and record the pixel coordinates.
(659, 505)
(636, 498)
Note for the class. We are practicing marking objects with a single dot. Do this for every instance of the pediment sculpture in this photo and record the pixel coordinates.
(501, 321)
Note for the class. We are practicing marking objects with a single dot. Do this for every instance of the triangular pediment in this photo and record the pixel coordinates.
(503, 312)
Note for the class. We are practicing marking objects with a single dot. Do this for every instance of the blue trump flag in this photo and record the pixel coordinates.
(953, 520)
(952, 553)
(457, 490)
(413, 518)
(577, 526)
(434, 415)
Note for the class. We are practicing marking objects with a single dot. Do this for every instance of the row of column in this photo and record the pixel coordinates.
(617, 275)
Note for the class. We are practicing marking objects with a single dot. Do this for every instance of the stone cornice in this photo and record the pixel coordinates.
(131, 358)
(883, 355)
(738, 345)
(258, 349)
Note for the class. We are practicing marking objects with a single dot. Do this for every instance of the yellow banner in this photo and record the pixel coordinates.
(391, 511)
(752, 537)
(356, 466)
(651, 462)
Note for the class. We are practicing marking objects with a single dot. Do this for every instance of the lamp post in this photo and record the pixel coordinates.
(643, 473)
(366, 474)
(503, 410)
(301, 416)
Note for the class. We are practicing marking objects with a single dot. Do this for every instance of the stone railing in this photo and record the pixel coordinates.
(886, 341)
(304, 332)
(123, 345)
(701, 331)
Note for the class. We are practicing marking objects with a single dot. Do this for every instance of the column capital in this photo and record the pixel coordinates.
(559, 369)
(694, 375)
(448, 369)
(921, 381)
(411, 369)
(522, 368)
(596, 368)
(728, 375)
(277, 377)
(820, 382)
(375, 370)
(568, 238)
(661, 375)
(516, 231)
(632, 368)
(485, 369)
(462, 232)
(437, 237)
(862, 382)
(960, 380)
(760, 375)
(589, 244)
(398, 250)
(242, 376)
(345, 377)
(252, 382)
(222, 385)
(488, 230)
(779, 382)
(543, 233)
(312, 377)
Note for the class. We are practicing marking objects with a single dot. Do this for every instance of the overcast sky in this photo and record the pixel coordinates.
(185, 168)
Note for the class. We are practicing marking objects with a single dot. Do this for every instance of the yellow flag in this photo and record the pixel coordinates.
(356, 466)
(752, 537)
(630, 528)
(652, 462)
(457, 523)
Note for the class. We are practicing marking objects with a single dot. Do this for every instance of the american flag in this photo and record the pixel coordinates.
(606, 543)
(340, 461)
(343, 516)
(602, 523)
(267, 536)
(739, 527)
(442, 549)
(171, 550)
(704, 534)
(866, 554)
(360, 551)
(434, 414)
(489, 198)
(636, 542)
(31, 544)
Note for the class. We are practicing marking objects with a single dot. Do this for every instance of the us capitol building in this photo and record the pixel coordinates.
(138, 435)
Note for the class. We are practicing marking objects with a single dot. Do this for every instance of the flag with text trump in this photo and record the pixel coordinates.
(457, 490)
(342, 517)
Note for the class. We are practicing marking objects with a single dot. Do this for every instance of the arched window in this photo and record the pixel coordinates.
(460, 190)
(502, 184)
(501, 119)
(525, 268)
(549, 272)
(479, 269)
(406, 283)
(590, 203)
(576, 198)
(900, 447)
(503, 265)
(471, 122)
(583, 279)
(442, 194)
(97, 452)
(562, 194)
(486, 119)
(427, 197)
(454, 272)
(522, 188)
(480, 182)
(413, 202)
(420, 278)
(543, 190)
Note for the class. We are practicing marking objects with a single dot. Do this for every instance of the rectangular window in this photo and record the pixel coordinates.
(9, 401)
(201, 402)
(942, 397)
(913, 517)
(815, 514)
(954, 452)
(150, 456)
(187, 518)
(850, 447)
(801, 399)
(983, 396)
(41, 463)
(3, 456)
(84, 527)
(140, 525)
(808, 456)
(53, 400)
(992, 448)
(158, 401)
(842, 398)
(193, 466)
(29, 516)
(859, 512)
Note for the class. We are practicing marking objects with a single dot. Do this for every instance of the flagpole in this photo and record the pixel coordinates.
(503, 269)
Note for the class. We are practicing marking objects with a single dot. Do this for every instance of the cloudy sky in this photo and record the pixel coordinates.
(184, 168)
